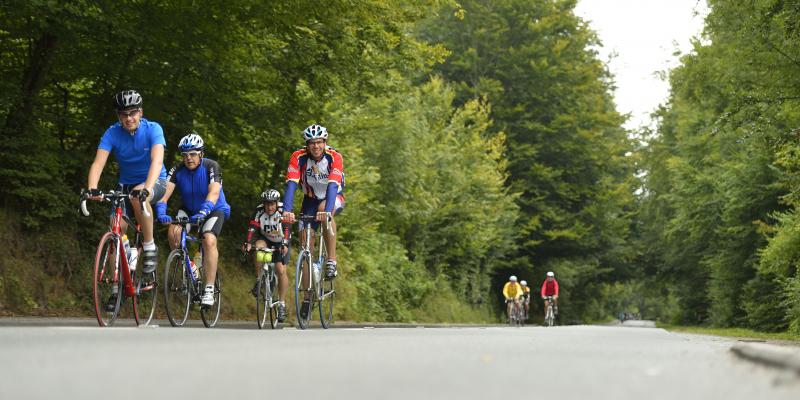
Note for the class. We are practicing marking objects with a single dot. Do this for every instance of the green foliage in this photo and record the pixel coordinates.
(717, 214)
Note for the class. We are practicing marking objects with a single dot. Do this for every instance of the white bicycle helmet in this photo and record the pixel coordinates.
(551, 274)
(127, 99)
(270, 195)
(524, 283)
(315, 132)
(513, 278)
(192, 141)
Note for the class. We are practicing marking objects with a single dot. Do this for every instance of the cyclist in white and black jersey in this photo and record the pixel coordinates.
(267, 230)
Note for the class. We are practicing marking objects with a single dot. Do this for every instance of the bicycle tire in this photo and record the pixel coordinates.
(146, 295)
(210, 316)
(273, 289)
(549, 316)
(106, 276)
(299, 293)
(177, 288)
(263, 297)
(327, 295)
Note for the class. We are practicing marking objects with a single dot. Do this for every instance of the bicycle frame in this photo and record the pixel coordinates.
(305, 246)
(184, 238)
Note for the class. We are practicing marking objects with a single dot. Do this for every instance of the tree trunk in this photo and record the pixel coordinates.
(21, 115)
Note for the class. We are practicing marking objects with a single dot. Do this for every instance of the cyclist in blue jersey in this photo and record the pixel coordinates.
(199, 181)
(138, 146)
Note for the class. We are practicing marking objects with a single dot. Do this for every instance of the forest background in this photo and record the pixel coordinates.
(480, 140)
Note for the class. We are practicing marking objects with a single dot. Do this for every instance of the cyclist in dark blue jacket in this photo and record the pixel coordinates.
(199, 181)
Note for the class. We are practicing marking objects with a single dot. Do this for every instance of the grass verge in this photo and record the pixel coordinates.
(740, 333)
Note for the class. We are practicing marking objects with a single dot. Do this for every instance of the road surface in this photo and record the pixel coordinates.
(81, 361)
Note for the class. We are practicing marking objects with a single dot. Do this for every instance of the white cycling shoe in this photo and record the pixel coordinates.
(207, 301)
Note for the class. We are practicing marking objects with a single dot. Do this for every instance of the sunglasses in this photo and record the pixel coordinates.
(131, 113)
(191, 154)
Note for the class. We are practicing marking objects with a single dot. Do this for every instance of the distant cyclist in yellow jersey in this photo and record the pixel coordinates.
(512, 291)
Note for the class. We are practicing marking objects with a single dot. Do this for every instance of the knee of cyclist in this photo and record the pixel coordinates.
(209, 240)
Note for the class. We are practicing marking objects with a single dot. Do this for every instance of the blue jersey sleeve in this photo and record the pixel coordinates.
(107, 141)
(330, 196)
(288, 197)
(157, 135)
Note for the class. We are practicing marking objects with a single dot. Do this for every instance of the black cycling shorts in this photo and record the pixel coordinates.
(213, 222)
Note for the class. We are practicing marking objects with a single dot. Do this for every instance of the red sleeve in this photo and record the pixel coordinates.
(544, 285)
(337, 168)
(556, 282)
(293, 172)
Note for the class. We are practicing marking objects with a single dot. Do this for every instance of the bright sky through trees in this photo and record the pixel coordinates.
(644, 34)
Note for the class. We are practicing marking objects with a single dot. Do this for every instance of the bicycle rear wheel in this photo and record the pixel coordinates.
(146, 294)
(210, 316)
(263, 297)
(177, 290)
(303, 272)
(106, 277)
(327, 294)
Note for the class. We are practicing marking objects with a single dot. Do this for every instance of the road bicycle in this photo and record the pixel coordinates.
(515, 317)
(266, 289)
(113, 279)
(316, 290)
(184, 286)
(549, 314)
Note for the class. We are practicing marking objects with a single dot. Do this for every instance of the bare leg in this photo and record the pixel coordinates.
(210, 257)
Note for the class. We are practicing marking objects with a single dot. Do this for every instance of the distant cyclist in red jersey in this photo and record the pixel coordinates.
(550, 288)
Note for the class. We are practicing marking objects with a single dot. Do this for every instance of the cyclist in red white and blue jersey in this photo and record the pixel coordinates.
(318, 169)
(199, 180)
(138, 146)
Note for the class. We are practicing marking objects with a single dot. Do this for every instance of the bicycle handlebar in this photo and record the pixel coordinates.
(111, 195)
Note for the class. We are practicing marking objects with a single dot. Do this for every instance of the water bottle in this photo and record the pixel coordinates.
(133, 258)
(196, 263)
(127, 245)
(316, 272)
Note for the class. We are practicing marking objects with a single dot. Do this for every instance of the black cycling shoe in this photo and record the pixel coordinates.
(305, 308)
(150, 261)
(254, 290)
(281, 312)
(111, 304)
(330, 271)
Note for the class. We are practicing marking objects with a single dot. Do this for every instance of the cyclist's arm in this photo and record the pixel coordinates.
(505, 291)
(156, 164)
(214, 180)
(544, 286)
(288, 196)
(330, 196)
(556, 285)
(213, 192)
(334, 181)
(100, 159)
(168, 192)
(252, 226)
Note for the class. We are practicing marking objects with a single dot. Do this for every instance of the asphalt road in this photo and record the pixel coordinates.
(80, 361)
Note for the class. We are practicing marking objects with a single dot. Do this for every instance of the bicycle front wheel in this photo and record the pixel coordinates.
(146, 295)
(303, 273)
(273, 289)
(177, 290)
(106, 278)
(210, 316)
(326, 298)
(263, 298)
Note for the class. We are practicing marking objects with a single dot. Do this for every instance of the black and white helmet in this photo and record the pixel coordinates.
(270, 195)
(127, 99)
(192, 141)
(315, 132)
